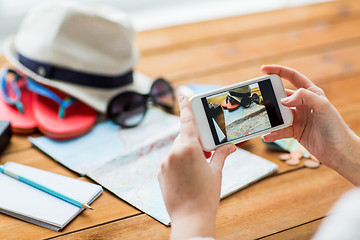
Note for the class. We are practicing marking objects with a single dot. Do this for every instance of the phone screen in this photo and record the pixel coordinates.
(242, 111)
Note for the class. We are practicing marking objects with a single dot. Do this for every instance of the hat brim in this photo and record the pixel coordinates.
(95, 97)
(234, 97)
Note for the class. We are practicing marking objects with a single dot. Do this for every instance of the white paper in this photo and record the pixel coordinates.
(29, 202)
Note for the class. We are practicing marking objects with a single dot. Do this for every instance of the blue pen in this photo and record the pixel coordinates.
(43, 188)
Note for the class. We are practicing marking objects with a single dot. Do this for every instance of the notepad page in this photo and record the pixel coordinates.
(28, 201)
(74, 188)
(23, 199)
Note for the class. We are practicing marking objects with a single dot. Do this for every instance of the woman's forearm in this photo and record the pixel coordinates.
(192, 225)
(349, 159)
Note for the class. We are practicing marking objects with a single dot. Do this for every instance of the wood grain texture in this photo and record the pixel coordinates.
(138, 227)
(17, 143)
(274, 204)
(212, 57)
(304, 231)
(321, 66)
(280, 202)
(188, 35)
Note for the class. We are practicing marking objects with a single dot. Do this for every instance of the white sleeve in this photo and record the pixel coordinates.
(343, 221)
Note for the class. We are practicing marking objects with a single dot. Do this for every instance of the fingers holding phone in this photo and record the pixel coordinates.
(236, 113)
(189, 184)
(293, 76)
(317, 124)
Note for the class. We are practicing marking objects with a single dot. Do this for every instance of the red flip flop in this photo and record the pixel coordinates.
(224, 104)
(16, 103)
(232, 107)
(230, 104)
(57, 115)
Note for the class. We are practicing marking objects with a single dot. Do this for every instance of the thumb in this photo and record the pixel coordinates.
(219, 156)
(302, 97)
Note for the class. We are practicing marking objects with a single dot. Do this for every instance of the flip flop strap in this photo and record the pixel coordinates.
(41, 90)
(5, 89)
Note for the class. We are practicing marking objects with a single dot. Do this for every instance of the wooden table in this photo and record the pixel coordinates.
(322, 41)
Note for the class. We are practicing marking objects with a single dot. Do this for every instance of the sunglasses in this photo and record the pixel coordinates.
(128, 109)
(245, 101)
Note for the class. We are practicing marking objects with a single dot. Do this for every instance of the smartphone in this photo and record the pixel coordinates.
(242, 111)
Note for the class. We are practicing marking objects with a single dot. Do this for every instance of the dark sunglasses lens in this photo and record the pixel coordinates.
(162, 93)
(127, 109)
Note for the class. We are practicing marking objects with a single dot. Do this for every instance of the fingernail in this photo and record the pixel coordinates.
(233, 149)
(265, 137)
(181, 99)
(285, 100)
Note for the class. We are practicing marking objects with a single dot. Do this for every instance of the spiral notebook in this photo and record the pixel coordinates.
(27, 203)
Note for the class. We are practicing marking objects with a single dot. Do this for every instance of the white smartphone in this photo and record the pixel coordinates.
(242, 111)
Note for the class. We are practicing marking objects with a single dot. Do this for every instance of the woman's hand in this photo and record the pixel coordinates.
(189, 184)
(317, 125)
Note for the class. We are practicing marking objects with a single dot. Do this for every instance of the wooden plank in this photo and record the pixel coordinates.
(165, 39)
(18, 143)
(138, 227)
(277, 203)
(344, 95)
(323, 65)
(280, 203)
(107, 208)
(183, 62)
(304, 231)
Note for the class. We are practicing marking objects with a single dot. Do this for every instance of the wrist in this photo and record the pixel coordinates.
(189, 225)
(348, 161)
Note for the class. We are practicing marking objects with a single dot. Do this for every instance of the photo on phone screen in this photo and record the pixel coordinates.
(242, 111)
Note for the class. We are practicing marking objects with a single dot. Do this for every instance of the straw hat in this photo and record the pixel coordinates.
(239, 93)
(86, 50)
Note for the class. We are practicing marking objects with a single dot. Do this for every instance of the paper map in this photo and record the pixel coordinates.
(246, 121)
(107, 140)
(126, 161)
